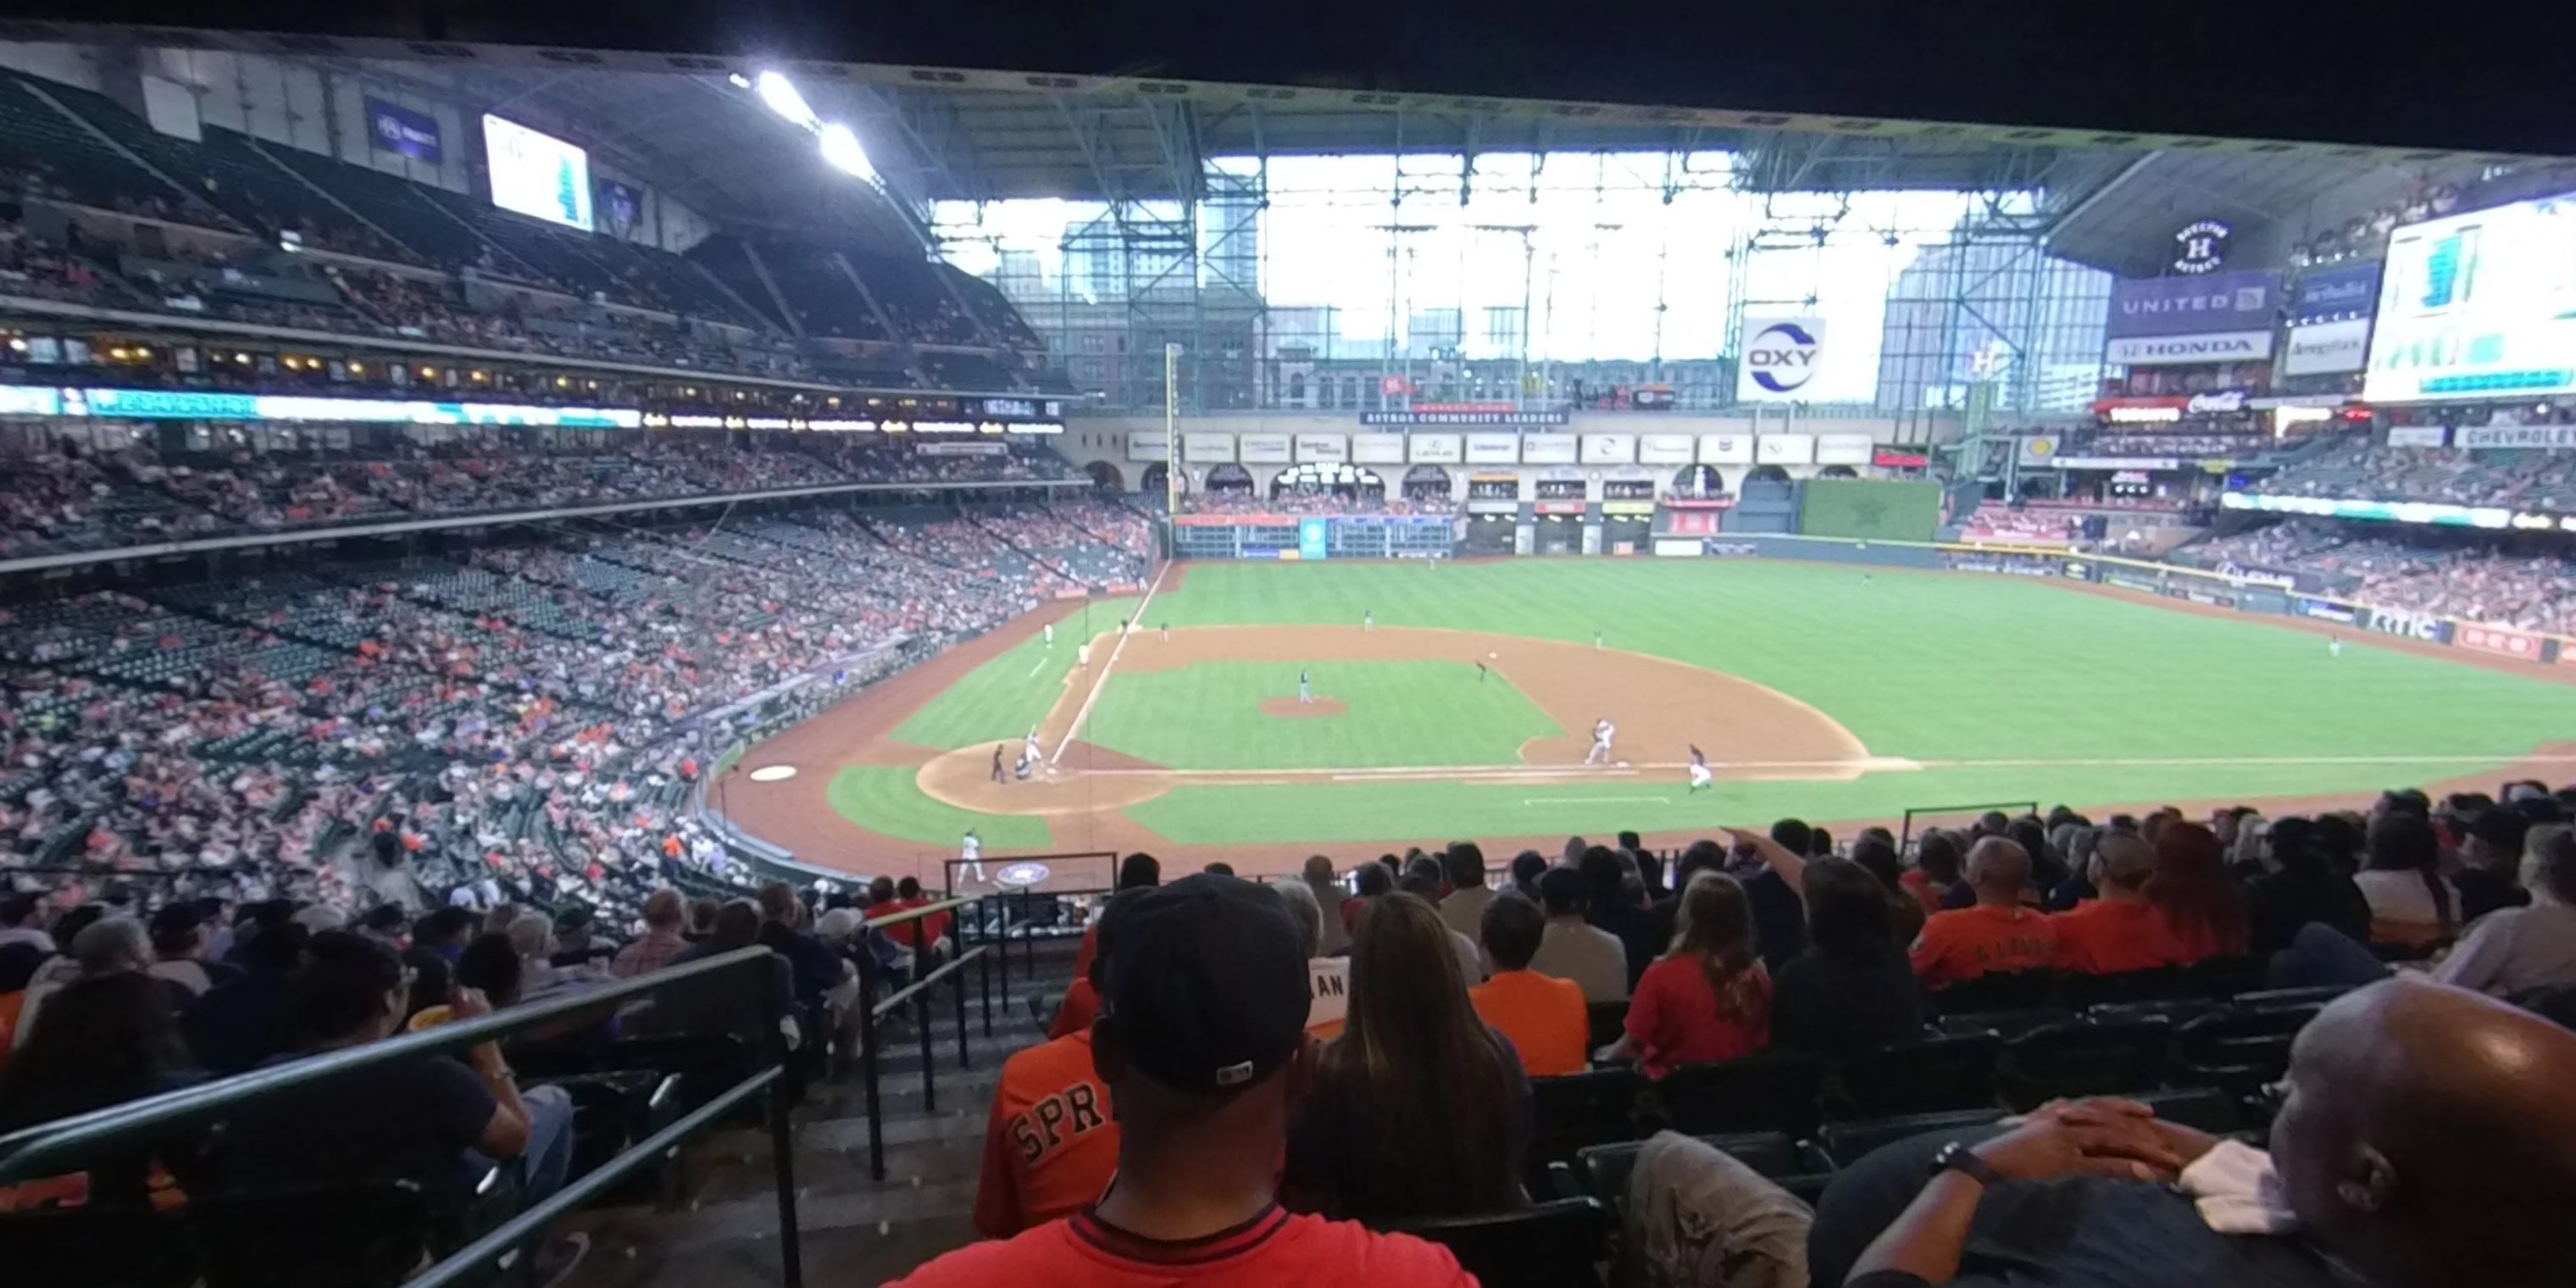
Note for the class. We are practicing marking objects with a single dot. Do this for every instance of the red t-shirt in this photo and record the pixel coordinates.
(1967, 942)
(2110, 937)
(1272, 1250)
(1080, 1007)
(1050, 1142)
(1674, 1020)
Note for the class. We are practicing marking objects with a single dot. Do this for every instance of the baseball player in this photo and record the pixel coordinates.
(1368, 619)
(1082, 656)
(1483, 672)
(998, 775)
(971, 851)
(1031, 745)
(1167, 632)
(1596, 641)
(1602, 732)
(1305, 689)
(1699, 775)
(1050, 635)
(2334, 646)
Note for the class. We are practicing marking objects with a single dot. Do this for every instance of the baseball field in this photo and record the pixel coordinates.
(1467, 708)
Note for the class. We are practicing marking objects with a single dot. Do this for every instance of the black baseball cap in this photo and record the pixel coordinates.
(1207, 983)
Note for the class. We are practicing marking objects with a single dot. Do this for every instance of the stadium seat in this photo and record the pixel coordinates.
(2085, 1058)
(2081, 991)
(2176, 1009)
(1954, 1072)
(1847, 1143)
(2238, 1049)
(2003, 1023)
(1800, 1167)
(1556, 1244)
(1773, 1091)
(2316, 995)
(2003, 991)
(1582, 1109)
(345, 1234)
(92, 1246)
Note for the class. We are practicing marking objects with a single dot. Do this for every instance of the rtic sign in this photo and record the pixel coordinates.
(1781, 358)
(2413, 626)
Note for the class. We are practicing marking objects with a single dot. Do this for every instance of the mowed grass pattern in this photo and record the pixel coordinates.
(886, 799)
(1004, 698)
(1208, 716)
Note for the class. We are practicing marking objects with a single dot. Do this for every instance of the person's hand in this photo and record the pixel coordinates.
(467, 1004)
(2116, 1139)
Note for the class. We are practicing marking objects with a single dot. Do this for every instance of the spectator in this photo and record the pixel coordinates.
(1423, 881)
(1851, 990)
(664, 915)
(437, 1121)
(491, 965)
(1997, 933)
(1710, 997)
(2512, 950)
(1936, 878)
(2191, 887)
(2416, 1116)
(21, 922)
(2490, 863)
(1463, 908)
(1527, 867)
(2302, 888)
(708, 1010)
(179, 942)
(106, 1038)
(1697, 857)
(1417, 1109)
(818, 974)
(2123, 930)
(1206, 1015)
(702, 919)
(1612, 906)
(1875, 851)
(1135, 872)
(1328, 895)
(2411, 906)
(1571, 948)
(1373, 882)
(103, 946)
(1769, 872)
(1544, 1019)
(238, 1024)
(1051, 1137)
(1328, 979)
(392, 881)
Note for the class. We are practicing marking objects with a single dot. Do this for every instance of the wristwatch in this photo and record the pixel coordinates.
(1959, 1157)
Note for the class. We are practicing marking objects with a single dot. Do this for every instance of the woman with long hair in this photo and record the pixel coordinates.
(1852, 989)
(1708, 997)
(1418, 1109)
(2411, 904)
(2190, 885)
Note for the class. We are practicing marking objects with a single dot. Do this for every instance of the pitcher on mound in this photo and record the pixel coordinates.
(1602, 732)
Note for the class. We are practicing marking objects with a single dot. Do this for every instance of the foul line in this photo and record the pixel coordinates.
(1101, 681)
(1865, 764)
(1596, 800)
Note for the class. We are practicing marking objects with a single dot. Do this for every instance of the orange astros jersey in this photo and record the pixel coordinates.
(1967, 942)
(1049, 1145)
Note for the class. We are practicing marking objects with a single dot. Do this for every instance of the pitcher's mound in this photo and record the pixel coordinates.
(1292, 709)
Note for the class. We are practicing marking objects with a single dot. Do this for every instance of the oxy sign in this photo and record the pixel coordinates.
(1781, 359)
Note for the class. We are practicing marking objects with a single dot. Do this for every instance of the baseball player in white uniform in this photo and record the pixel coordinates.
(971, 851)
(1050, 635)
(1031, 746)
(1699, 775)
(1602, 732)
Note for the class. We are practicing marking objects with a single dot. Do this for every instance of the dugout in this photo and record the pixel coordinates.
(1491, 534)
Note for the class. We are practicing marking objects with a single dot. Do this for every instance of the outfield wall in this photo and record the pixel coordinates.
(2261, 592)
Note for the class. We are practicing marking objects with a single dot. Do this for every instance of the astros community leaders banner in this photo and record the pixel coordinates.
(1781, 359)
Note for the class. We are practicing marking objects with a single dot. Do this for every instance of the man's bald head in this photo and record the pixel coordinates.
(2418, 1115)
(2124, 862)
(1998, 870)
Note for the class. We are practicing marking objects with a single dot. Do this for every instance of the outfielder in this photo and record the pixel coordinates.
(2334, 646)
(1050, 635)
(1699, 775)
(1368, 619)
(1602, 732)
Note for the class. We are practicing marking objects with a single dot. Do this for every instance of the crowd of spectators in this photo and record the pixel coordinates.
(2361, 470)
(1312, 501)
(61, 494)
(2522, 583)
(1998, 522)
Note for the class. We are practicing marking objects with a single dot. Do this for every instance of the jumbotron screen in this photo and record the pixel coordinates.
(2478, 305)
(536, 174)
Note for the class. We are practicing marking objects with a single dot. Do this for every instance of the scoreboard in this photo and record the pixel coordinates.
(1313, 537)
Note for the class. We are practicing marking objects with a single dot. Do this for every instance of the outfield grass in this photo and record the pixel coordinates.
(1208, 716)
(1005, 698)
(885, 799)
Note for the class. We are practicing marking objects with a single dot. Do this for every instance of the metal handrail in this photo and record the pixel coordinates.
(885, 1005)
(49, 1149)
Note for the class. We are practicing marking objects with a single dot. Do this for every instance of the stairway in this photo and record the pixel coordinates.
(723, 1231)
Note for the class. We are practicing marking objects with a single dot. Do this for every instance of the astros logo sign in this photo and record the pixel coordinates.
(1782, 357)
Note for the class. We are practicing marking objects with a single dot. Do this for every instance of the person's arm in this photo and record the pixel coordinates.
(2113, 1139)
(1777, 857)
(505, 1135)
(998, 1214)
(2479, 960)
(1637, 1032)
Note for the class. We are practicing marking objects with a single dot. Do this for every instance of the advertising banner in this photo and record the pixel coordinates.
(1493, 449)
(2131, 581)
(1143, 445)
(1781, 358)
(1609, 449)
(1438, 449)
(2552, 437)
(2406, 625)
(1785, 449)
(2211, 304)
(1323, 448)
(2199, 594)
(1310, 538)
(2262, 601)
(1208, 449)
(2474, 305)
(1680, 547)
(2335, 293)
(2325, 347)
(1548, 449)
(2493, 639)
(2326, 610)
(395, 128)
(1387, 449)
(1844, 449)
(1262, 449)
(1462, 418)
(1726, 449)
(2417, 435)
(2180, 350)
(1664, 449)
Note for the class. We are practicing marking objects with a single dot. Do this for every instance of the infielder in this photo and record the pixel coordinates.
(1082, 656)
(1305, 690)
(1602, 732)
(1699, 775)
(971, 851)
(1167, 632)
(1368, 619)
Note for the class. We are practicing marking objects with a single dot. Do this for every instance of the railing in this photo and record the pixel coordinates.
(1905, 841)
(873, 1008)
(67, 1145)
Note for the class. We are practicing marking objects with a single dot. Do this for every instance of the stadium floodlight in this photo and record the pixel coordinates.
(781, 95)
(841, 148)
(739, 80)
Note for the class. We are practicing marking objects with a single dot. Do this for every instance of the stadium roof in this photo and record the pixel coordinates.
(944, 133)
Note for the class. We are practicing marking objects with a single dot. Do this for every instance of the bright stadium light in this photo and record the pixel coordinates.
(783, 99)
(739, 80)
(841, 148)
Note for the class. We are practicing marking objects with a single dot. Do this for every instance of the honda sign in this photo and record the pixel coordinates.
(1781, 358)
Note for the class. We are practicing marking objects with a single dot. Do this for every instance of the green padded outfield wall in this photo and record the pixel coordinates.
(1882, 509)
